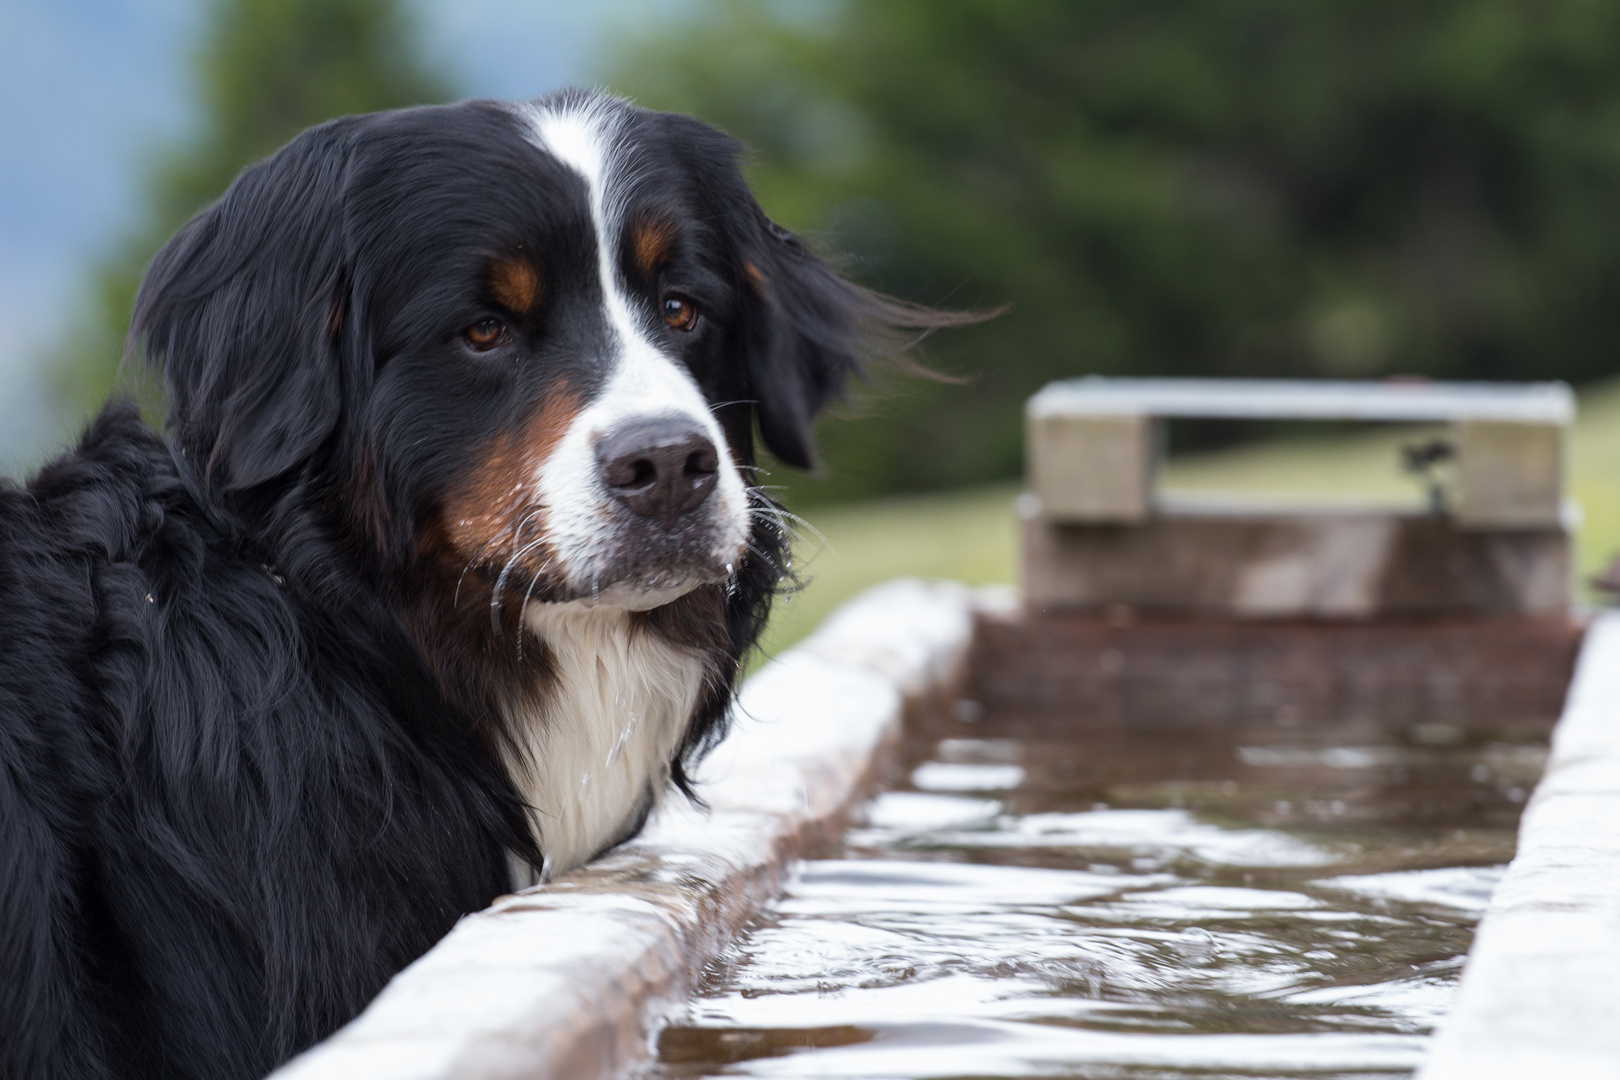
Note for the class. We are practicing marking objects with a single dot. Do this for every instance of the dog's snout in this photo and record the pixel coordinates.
(660, 468)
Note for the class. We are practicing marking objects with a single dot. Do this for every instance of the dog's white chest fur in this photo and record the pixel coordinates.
(597, 756)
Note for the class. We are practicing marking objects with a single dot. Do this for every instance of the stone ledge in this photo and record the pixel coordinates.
(1540, 994)
(571, 979)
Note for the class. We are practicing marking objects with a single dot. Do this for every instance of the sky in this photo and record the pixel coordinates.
(92, 90)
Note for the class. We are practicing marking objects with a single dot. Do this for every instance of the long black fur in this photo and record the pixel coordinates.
(236, 793)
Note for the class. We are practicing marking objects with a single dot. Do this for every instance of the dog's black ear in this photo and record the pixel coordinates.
(807, 330)
(243, 312)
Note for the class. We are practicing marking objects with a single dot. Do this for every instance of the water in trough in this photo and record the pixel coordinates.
(1265, 903)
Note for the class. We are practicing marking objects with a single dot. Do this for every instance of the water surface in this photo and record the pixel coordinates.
(1263, 903)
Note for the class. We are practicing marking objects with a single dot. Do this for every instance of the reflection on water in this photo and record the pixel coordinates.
(1153, 904)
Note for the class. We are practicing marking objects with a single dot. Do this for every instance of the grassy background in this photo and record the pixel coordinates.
(971, 535)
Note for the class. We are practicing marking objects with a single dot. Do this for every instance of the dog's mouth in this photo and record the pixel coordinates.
(628, 561)
(642, 565)
(643, 594)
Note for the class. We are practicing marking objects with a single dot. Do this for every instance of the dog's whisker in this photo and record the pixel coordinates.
(476, 558)
(801, 523)
(792, 525)
(534, 579)
(758, 552)
(500, 586)
(517, 530)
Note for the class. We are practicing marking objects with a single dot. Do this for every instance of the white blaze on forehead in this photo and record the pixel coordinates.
(579, 136)
(585, 134)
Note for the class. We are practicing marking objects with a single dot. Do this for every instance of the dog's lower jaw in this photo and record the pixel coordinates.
(594, 758)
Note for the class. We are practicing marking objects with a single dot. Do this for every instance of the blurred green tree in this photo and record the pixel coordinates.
(1220, 187)
(266, 69)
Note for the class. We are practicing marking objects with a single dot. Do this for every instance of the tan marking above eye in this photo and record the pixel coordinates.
(651, 242)
(755, 278)
(680, 313)
(515, 282)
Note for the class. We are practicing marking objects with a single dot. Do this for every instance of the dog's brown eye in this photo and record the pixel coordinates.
(485, 334)
(680, 312)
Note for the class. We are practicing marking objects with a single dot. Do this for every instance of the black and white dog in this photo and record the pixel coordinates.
(440, 580)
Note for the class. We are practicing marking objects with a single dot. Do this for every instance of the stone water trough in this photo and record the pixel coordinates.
(1132, 609)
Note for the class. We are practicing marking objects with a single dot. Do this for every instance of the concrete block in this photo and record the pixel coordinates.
(1313, 399)
(1509, 475)
(1092, 442)
(1078, 675)
(1091, 467)
(1296, 565)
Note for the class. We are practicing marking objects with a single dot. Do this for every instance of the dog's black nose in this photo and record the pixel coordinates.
(659, 468)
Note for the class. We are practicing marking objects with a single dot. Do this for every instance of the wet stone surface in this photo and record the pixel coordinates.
(1246, 903)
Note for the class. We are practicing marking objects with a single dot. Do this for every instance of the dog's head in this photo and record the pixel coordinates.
(528, 342)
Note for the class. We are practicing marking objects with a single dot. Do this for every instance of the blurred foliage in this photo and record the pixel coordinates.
(1216, 187)
(265, 70)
